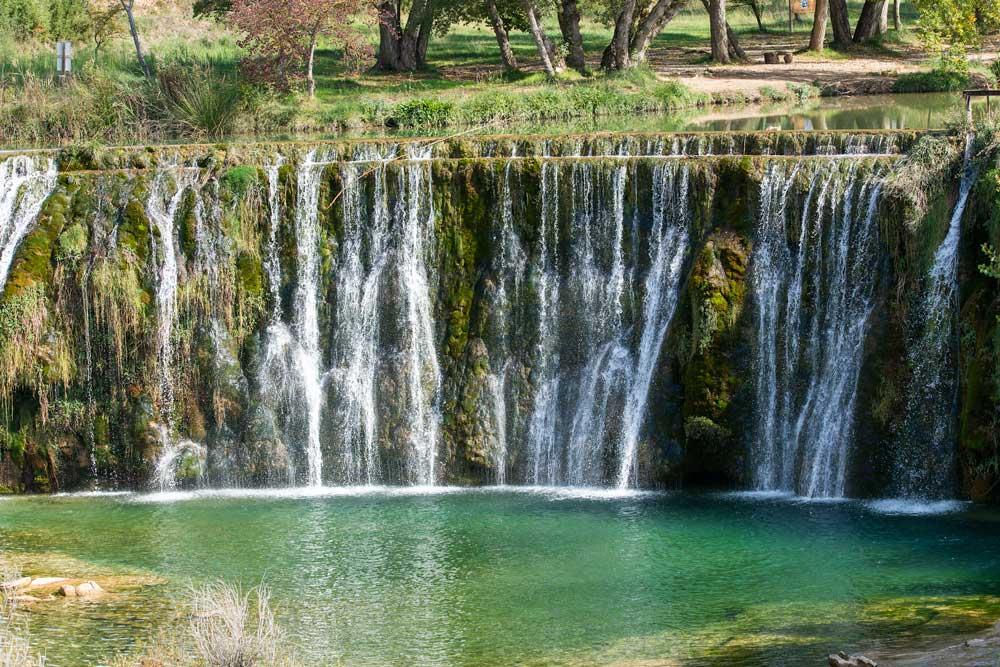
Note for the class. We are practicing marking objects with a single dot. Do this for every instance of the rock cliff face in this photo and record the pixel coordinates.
(587, 310)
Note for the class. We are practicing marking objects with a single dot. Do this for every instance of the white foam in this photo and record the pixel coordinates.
(551, 492)
(91, 494)
(916, 507)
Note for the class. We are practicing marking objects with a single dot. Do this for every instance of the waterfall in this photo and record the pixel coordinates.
(808, 360)
(510, 265)
(416, 212)
(305, 323)
(25, 184)
(541, 433)
(603, 313)
(667, 250)
(926, 461)
(162, 207)
(362, 268)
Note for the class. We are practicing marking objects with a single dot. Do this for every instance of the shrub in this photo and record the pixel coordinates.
(421, 113)
(200, 101)
(940, 80)
(231, 628)
(15, 644)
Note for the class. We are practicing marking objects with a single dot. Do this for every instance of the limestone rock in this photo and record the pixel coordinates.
(42, 582)
(841, 659)
(25, 599)
(89, 589)
(67, 591)
(14, 584)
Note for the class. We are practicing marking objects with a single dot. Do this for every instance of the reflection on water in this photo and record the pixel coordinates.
(540, 577)
(878, 112)
(874, 112)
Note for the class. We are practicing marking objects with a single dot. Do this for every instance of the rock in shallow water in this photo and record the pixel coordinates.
(841, 659)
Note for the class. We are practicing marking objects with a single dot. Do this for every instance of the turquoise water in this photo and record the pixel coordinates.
(539, 577)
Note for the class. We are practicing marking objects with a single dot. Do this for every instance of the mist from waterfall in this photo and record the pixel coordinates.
(807, 360)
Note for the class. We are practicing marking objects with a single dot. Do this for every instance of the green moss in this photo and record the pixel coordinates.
(34, 260)
(238, 180)
(72, 243)
(133, 231)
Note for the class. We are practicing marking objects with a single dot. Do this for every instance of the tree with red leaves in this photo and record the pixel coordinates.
(281, 35)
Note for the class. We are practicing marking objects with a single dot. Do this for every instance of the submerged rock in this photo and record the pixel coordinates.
(841, 659)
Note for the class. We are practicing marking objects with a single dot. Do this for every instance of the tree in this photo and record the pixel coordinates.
(720, 36)
(952, 27)
(753, 6)
(733, 47)
(897, 17)
(546, 51)
(281, 35)
(103, 21)
(642, 25)
(127, 6)
(502, 16)
(818, 36)
(841, 20)
(403, 47)
(870, 21)
(568, 13)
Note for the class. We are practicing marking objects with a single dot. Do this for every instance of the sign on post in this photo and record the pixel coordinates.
(64, 58)
(802, 6)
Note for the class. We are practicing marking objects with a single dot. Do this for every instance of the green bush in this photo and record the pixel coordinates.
(421, 113)
(199, 101)
(24, 19)
(938, 80)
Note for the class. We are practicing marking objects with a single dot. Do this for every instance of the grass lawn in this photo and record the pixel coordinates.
(464, 80)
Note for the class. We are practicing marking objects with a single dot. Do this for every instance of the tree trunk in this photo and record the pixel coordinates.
(662, 13)
(540, 41)
(424, 36)
(403, 49)
(883, 21)
(868, 23)
(897, 17)
(569, 25)
(309, 67)
(720, 35)
(503, 38)
(841, 23)
(818, 36)
(755, 8)
(621, 38)
(736, 51)
(127, 6)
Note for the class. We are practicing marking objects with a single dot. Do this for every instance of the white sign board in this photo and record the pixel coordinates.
(64, 57)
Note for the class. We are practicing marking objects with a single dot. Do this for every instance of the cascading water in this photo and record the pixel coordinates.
(808, 360)
(305, 324)
(925, 466)
(667, 250)
(25, 184)
(162, 207)
(596, 367)
(416, 211)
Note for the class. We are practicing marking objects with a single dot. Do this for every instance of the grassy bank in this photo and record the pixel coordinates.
(198, 93)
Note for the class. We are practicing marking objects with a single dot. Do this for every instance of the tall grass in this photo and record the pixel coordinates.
(200, 102)
(219, 625)
(15, 642)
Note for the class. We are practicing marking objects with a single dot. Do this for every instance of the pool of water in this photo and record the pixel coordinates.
(925, 111)
(528, 577)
